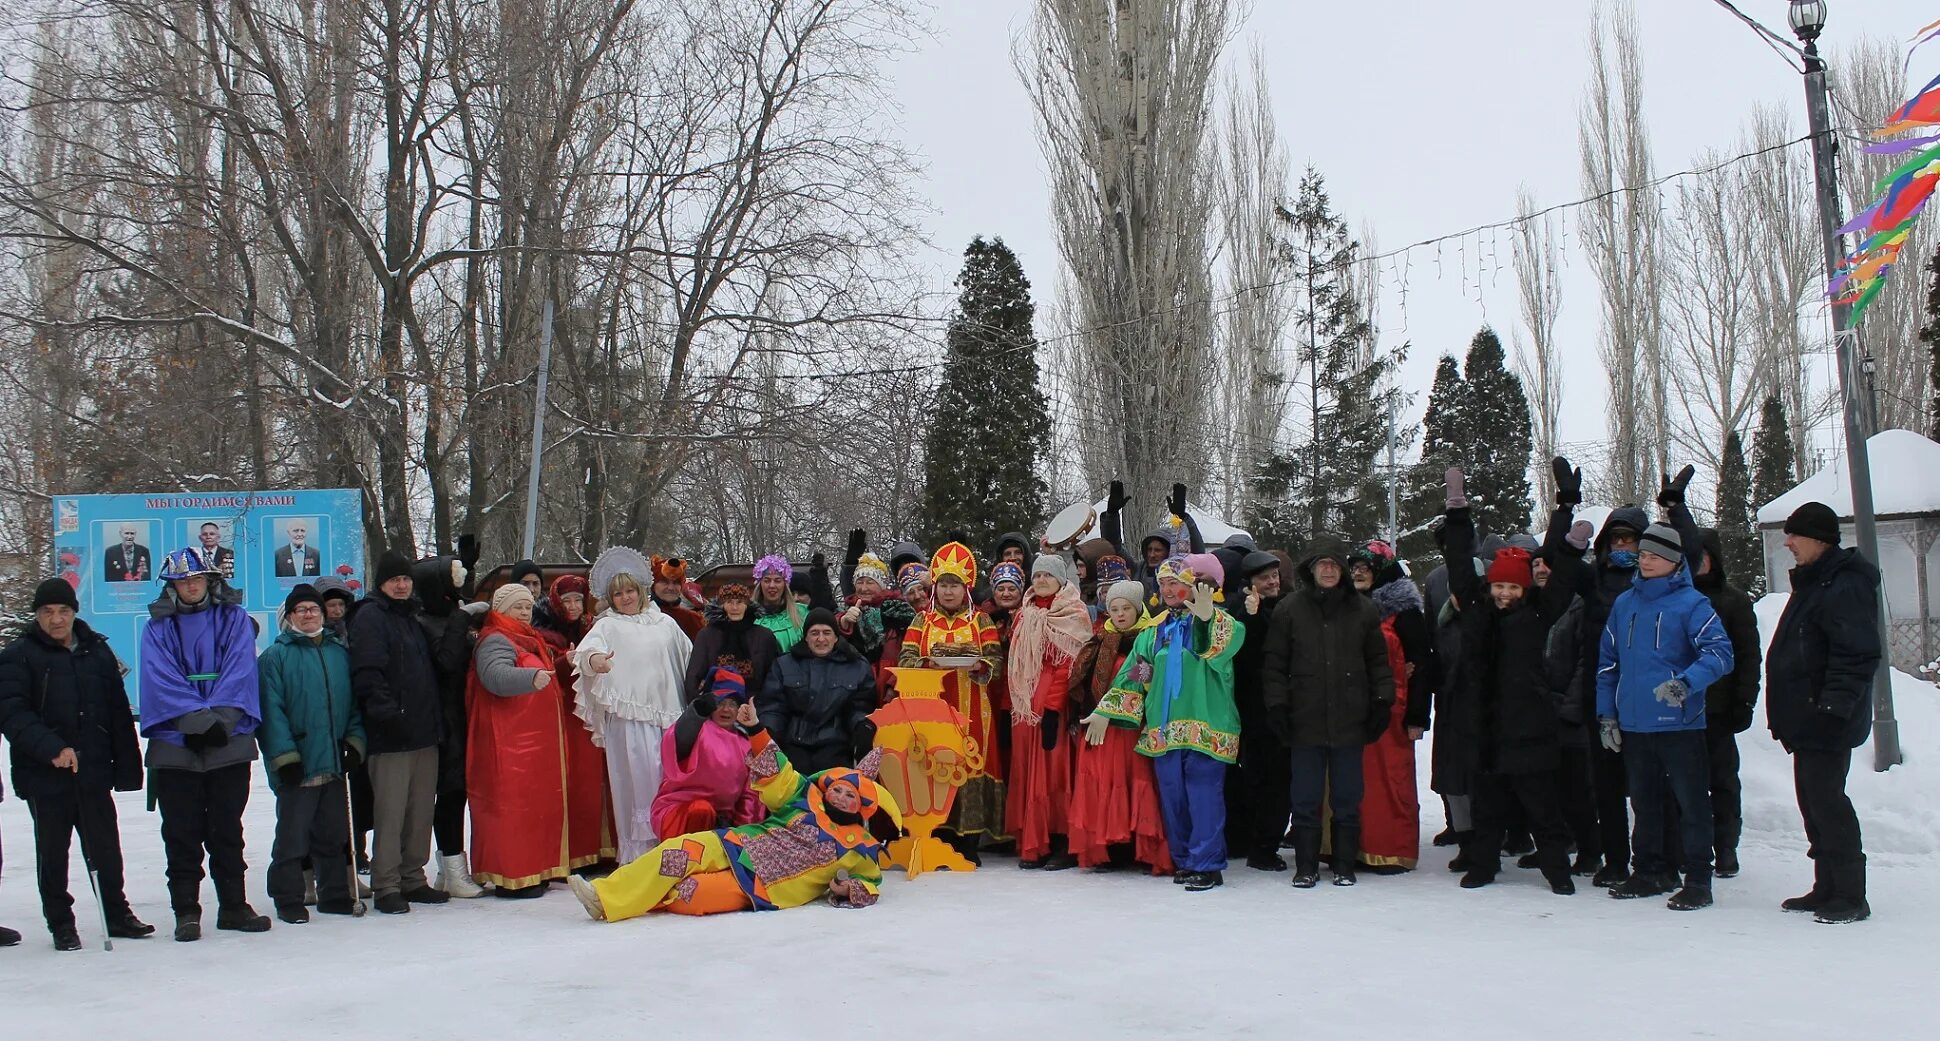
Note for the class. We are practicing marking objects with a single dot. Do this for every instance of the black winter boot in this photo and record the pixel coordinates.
(1306, 858)
(1821, 894)
(9, 937)
(125, 926)
(66, 938)
(1642, 885)
(1347, 853)
(1690, 898)
(1609, 876)
(242, 918)
(188, 926)
(1727, 864)
(1848, 903)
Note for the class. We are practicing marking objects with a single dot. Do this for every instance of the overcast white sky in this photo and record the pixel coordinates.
(1424, 117)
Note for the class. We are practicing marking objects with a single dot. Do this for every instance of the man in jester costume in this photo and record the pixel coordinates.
(951, 635)
(820, 841)
(1176, 686)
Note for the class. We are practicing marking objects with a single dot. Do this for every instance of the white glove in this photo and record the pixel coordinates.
(476, 608)
(1201, 604)
(1611, 736)
(1096, 727)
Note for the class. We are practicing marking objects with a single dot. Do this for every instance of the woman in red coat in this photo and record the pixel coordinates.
(589, 811)
(1390, 802)
(1051, 628)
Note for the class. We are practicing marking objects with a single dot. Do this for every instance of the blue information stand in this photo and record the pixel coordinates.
(110, 547)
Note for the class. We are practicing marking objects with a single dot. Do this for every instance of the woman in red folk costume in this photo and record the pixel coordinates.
(589, 812)
(1048, 633)
(515, 752)
(1390, 802)
(1115, 811)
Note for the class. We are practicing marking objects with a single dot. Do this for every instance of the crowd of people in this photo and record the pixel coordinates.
(1143, 710)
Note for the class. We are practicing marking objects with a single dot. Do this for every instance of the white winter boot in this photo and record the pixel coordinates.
(455, 878)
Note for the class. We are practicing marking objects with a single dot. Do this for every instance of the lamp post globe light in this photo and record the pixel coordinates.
(1807, 18)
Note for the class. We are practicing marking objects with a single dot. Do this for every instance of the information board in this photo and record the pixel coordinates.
(111, 547)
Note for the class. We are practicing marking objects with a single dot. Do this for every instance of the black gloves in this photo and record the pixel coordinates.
(858, 541)
(291, 774)
(1672, 494)
(1049, 727)
(819, 561)
(1280, 721)
(705, 704)
(1177, 504)
(214, 737)
(1569, 482)
(1376, 723)
(862, 739)
(1117, 500)
(352, 757)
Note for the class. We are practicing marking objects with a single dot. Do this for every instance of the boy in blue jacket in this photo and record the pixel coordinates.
(1661, 648)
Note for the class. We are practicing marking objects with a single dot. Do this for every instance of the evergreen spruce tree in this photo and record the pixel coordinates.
(1744, 564)
(1771, 455)
(983, 456)
(1327, 484)
(1930, 335)
(1501, 438)
(1445, 433)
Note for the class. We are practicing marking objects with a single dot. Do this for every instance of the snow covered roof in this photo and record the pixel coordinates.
(1906, 479)
(1212, 528)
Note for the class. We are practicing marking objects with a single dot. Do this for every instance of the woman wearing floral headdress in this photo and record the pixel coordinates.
(631, 664)
(952, 628)
(775, 606)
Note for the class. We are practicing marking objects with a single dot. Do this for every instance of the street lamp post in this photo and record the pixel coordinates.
(1808, 21)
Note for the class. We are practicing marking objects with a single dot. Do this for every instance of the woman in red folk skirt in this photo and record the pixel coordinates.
(1115, 800)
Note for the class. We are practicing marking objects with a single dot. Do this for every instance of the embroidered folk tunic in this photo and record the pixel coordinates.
(1200, 716)
(979, 807)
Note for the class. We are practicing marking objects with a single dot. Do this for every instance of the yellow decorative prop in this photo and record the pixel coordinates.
(924, 761)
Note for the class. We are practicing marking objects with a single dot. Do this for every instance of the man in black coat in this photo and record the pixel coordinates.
(448, 632)
(1256, 789)
(1328, 690)
(396, 686)
(1730, 703)
(817, 699)
(65, 714)
(1819, 702)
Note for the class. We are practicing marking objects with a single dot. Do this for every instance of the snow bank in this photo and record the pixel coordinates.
(1906, 479)
(1899, 810)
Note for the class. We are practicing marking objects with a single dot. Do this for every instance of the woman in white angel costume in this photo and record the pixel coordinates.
(630, 666)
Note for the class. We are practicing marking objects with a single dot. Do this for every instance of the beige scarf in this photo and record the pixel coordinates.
(1061, 629)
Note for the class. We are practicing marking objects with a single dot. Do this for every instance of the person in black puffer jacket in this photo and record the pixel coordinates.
(1819, 702)
(65, 714)
(817, 699)
(1730, 703)
(449, 633)
(395, 682)
(1512, 741)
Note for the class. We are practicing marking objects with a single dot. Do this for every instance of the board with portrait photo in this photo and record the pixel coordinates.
(297, 547)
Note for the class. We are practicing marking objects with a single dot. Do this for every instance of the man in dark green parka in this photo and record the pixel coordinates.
(311, 735)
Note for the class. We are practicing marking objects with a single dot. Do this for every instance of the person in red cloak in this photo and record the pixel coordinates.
(589, 811)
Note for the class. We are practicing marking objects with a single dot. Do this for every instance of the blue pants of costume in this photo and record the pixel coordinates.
(1192, 799)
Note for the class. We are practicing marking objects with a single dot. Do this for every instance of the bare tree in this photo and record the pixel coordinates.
(1538, 360)
(1123, 94)
(1250, 181)
(1789, 260)
(1620, 232)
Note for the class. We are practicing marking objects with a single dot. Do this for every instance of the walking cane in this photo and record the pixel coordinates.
(357, 907)
(87, 861)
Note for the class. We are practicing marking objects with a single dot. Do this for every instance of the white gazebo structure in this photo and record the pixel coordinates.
(1906, 503)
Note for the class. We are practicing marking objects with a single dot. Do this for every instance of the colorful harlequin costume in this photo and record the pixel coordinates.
(807, 849)
(704, 765)
(966, 633)
(1115, 796)
(1177, 687)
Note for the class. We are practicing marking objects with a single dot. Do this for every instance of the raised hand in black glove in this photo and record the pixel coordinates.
(352, 757)
(705, 704)
(858, 541)
(1672, 493)
(1049, 726)
(1177, 504)
(1117, 499)
(819, 561)
(1569, 482)
(291, 774)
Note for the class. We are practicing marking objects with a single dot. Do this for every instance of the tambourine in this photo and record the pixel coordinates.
(1070, 526)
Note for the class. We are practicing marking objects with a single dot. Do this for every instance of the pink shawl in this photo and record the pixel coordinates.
(1056, 633)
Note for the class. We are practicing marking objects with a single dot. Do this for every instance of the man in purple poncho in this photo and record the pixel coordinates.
(199, 710)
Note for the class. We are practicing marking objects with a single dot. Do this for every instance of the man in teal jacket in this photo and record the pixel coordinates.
(311, 736)
(1661, 648)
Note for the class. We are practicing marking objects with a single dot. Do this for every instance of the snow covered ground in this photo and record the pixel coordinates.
(999, 952)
